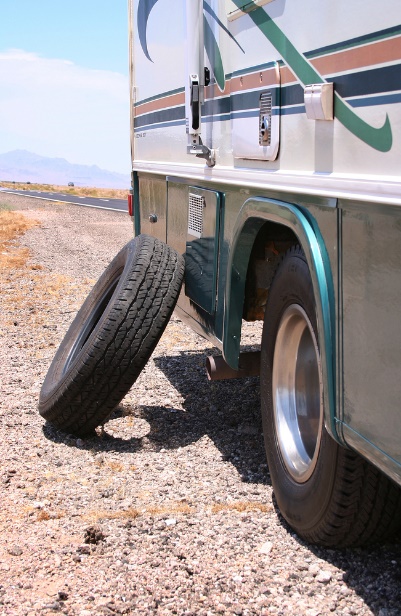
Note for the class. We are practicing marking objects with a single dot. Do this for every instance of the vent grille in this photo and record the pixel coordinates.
(195, 215)
(265, 116)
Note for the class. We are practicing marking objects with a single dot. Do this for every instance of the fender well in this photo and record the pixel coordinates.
(295, 225)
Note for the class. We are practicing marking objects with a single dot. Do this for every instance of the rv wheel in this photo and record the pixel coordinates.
(328, 494)
(112, 336)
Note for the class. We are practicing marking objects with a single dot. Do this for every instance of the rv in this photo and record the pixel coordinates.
(266, 149)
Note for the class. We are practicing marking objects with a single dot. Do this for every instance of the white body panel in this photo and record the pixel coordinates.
(354, 44)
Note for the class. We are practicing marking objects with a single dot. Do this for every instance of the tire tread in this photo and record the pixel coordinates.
(141, 308)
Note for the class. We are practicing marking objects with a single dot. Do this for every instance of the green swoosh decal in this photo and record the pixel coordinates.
(214, 55)
(380, 139)
(209, 10)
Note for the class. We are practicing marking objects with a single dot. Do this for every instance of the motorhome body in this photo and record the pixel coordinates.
(267, 131)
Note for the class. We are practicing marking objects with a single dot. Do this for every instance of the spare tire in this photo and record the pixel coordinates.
(112, 336)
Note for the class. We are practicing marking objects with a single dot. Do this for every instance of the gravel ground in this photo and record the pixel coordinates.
(170, 510)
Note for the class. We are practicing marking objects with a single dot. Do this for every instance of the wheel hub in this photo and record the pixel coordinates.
(297, 393)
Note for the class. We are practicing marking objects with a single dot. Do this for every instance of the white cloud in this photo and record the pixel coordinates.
(54, 107)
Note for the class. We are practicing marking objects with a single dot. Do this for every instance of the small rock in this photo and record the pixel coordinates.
(57, 560)
(266, 547)
(15, 550)
(324, 577)
(52, 606)
(104, 610)
(314, 569)
(62, 595)
(171, 522)
(84, 549)
(94, 534)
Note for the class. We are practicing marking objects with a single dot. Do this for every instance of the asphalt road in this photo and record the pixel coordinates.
(119, 205)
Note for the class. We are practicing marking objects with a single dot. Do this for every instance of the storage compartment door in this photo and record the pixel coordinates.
(202, 247)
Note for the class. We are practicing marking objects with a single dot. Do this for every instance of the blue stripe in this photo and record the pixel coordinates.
(388, 99)
(370, 81)
(158, 117)
(385, 99)
(293, 110)
(383, 83)
(216, 118)
(146, 127)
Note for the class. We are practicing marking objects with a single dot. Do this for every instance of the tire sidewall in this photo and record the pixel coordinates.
(304, 505)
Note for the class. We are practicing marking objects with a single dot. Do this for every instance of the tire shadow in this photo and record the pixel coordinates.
(373, 573)
(228, 412)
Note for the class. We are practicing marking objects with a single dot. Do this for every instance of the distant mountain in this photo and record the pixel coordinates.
(23, 166)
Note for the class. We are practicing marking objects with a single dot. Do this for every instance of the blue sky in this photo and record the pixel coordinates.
(64, 80)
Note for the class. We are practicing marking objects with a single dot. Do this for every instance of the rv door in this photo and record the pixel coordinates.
(195, 82)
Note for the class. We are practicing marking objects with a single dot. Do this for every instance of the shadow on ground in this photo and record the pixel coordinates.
(228, 412)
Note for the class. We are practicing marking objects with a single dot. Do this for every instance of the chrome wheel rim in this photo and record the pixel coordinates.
(297, 393)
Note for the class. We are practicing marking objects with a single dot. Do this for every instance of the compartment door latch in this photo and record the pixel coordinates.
(195, 145)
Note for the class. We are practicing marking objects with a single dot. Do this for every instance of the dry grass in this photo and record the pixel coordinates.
(27, 284)
(36, 292)
(117, 467)
(125, 514)
(13, 225)
(5, 207)
(42, 515)
(82, 191)
(241, 506)
(174, 509)
(100, 515)
(131, 513)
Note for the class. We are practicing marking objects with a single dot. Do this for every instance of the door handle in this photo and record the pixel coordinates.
(195, 101)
